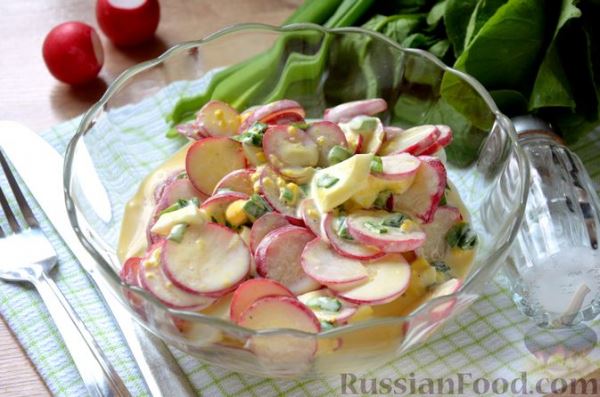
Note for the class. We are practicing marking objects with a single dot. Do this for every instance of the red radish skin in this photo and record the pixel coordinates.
(398, 167)
(216, 205)
(278, 258)
(278, 138)
(73, 53)
(263, 226)
(238, 181)
(217, 118)
(210, 159)
(395, 240)
(128, 22)
(435, 244)
(130, 272)
(349, 249)
(413, 140)
(326, 135)
(325, 266)
(446, 136)
(349, 110)
(273, 113)
(211, 260)
(191, 130)
(154, 280)
(426, 191)
(388, 279)
(252, 290)
(282, 312)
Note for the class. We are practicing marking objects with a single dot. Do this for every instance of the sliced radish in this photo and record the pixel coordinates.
(283, 111)
(210, 159)
(312, 218)
(327, 135)
(278, 258)
(154, 280)
(366, 141)
(435, 246)
(289, 147)
(264, 225)
(392, 132)
(444, 309)
(445, 135)
(252, 290)
(431, 150)
(319, 302)
(413, 140)
(346, 111)
(324, 265)
(345, 247)
(254, 154)
(270, 186)
(237, 181)
(426, 191)
(178, 189)
(130, 272)
(216, 205)
(191, 130)
(160, 187)
(370, 228)
(210, 260)
(281, 312)
(218, 119)
(388, 279)
(399, 166)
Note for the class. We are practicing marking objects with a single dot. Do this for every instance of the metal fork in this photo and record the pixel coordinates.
(27, 255)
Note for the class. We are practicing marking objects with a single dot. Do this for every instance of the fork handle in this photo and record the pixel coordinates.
(99, 376)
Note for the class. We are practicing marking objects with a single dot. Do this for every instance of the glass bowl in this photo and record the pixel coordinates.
(122, 138)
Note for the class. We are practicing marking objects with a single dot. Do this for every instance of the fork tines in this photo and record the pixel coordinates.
(25, 209)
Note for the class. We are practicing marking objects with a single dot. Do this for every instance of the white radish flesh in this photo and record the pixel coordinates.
(388, 279)
(237, 181)
(400, 166)
(413, 140)
(216, 205)
(273, 112)
(270, 186)
(321, 263)
(210, 159)
(312, 218)
(326, 135)
(340, 316)
(289, 147)
(252, 290)
(210, 260)
(435, 246)
(218, 119)
(347, 248)
(426, 191)
(264, 225)
(278, 258)
(347, 111)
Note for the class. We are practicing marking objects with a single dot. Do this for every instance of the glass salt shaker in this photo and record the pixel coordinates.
(554, 267)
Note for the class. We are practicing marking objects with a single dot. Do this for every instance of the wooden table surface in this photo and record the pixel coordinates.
(29, 94)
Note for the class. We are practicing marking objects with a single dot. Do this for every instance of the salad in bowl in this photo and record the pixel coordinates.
(284, 222)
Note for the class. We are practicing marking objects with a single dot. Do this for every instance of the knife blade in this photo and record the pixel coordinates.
(40, 166)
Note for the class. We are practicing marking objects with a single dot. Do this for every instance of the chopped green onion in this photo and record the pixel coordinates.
(326, 325)
(363, 124)
(286, 195)
(381, 202)
(183, 175)
(342, 229)
(256, 207)
(325, 303)
(441, 267)
(377, 165)
(376, 227)
(461, 236)
(179, 204)
(444, 200)
(253, 135)
(177, 232)
(337, 154)
(326, 181)
(301, 125)
(395, 220)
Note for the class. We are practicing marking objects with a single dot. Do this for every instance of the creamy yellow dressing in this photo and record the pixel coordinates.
(133, 242)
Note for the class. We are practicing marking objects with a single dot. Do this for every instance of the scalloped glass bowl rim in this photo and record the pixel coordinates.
(88, 118)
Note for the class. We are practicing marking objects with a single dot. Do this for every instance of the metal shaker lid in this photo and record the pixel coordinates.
(528, 125)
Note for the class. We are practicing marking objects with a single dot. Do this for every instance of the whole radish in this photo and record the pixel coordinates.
(128, 22)
(73, 53)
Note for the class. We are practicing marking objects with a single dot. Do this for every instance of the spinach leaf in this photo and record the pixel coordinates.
(511, 102)
(436, 14)
(551, 87)
(482, 12)
(456, 18)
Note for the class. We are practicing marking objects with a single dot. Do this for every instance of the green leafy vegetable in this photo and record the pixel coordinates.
(337, 154)
(256, 207)
(326, 303)
(441, 267)
(253, 135)
(177, 232)
(462, 236)
(381, 202)
(376, 227)
(395, 220)
(376, 165)
(179, 204)
(326, 325)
